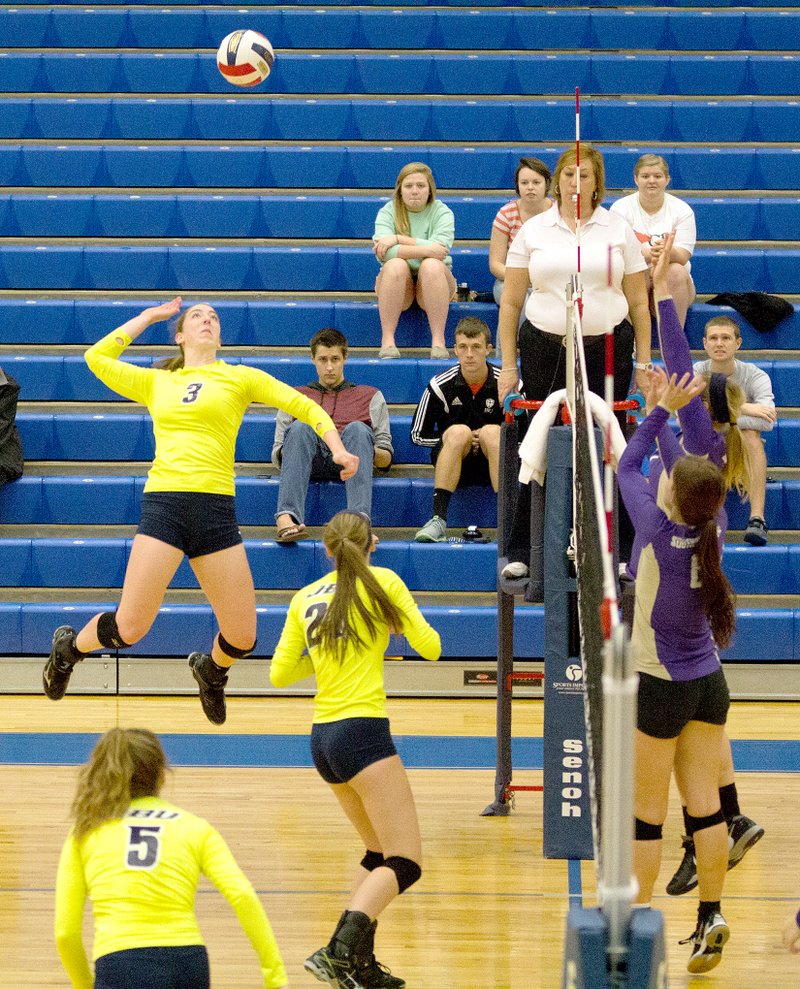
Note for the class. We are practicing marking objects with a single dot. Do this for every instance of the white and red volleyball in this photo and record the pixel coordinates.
(245, 58)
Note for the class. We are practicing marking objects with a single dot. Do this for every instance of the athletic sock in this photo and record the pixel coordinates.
(729, 801)
(441, 502)
(685, 819)
(705, 909)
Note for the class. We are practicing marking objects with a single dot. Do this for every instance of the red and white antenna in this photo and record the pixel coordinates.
(579, 283)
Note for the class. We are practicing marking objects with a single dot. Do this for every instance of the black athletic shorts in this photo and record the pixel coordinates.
(667, 706)
(474, 467)
(154, 968)
(341, 749)
(195, 522)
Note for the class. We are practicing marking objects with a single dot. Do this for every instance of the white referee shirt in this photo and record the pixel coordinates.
(547, 247)
(674, 214)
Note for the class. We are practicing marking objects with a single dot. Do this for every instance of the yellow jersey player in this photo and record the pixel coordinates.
(188, 506)
(343, 621)
(139, 859)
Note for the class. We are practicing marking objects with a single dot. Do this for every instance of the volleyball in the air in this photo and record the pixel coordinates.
(245, 58)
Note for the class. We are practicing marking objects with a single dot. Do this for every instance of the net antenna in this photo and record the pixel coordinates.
(610, 679)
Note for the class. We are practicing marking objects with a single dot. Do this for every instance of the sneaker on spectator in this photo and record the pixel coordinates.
(434, 531)
(742, 835)
(756, 532)
(708, 939)
(514, 571)
(58, 668)
(685, 878)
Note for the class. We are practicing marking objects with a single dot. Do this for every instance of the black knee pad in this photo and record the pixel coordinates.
(108, 633)
(372, 860)
(406, 870)
(695, 824)
(232, 651)
(648, 832)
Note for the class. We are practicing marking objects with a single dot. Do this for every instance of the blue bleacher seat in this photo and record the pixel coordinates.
(167, 29)
(624, 120)
(157, 72)
(777, 168)
(321, 28)
(231, 119)
(16, 121)
(311, 120)
(727, 271)
(463, 120)
(234, 166)
(358, 269)
(148, 119)
(776, 120)
(790, 507)
(25, 28)
(219, 23)
(136, 216)
(692, 29)
(125, 267)
(44, 165)
(782, 444)
(273, 323)
(543, 75)
(729, 168)
(725, 120)
(11, 629)
(221, 216)
(91, 28)
(59, 215)
(295, 268)
(785, 376)
(459, 30)
(21, 72)
(763, 634)
(305, 165)
(729, 218)
(701, 75)
(121, 436)
(77, 562)
(154, 165)
(636, 30)
(332, 72)
(301, 217)
(218, 268)
(548, 30)
(404, 74)
(37, 320)
(630, 73)
(480, 75)
(10, 164)
(36, 433)
(405, 28)
(392, 120)
(41, 267)
(70, 118)
(772, 75)
(378, 168)
(84, 72)
(768, 30)
(40, 376)
(15, 563)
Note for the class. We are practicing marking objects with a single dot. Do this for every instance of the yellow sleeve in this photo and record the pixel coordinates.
(70, 900)
(128, 380)
(219, 865)
(288, 663)
(421, 636)
(270, 391)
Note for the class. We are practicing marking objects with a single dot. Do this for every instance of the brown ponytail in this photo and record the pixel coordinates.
(176, 362)
(698, 489)
(348, 537)
(126, 763)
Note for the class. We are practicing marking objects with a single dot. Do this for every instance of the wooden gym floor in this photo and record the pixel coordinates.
(489, 911)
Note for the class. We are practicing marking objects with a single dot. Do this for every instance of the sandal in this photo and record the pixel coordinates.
(291, 533)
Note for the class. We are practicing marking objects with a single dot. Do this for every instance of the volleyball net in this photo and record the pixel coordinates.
(609, 679)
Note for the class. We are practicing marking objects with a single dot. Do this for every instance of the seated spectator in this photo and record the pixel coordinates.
(413, 235)
(532, 181)
(361, 416)
(459, 418)
(721, 339)
(653, 213)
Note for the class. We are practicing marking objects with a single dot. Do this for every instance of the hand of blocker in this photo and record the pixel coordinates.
(660, 259)
(672, 394)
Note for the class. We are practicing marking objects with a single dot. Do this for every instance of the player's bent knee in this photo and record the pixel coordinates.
(108, 633)
(234, 651)
(406, 870)
(647, 832)
(695, 824)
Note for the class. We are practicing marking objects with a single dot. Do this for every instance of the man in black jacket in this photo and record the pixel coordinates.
(459, 418)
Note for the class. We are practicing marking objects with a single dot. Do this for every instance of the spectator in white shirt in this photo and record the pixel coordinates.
(653, 213)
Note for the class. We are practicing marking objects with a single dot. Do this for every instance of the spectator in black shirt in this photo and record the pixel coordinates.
(459, 418)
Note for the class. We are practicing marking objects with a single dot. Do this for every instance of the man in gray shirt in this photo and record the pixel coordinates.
(721, 340)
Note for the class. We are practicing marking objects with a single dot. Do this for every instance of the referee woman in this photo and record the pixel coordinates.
(684, 614)
(138, 859)
(188, 507)
(343, 622)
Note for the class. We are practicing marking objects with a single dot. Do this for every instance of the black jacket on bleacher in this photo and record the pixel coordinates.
(448, 400)
(11, 462)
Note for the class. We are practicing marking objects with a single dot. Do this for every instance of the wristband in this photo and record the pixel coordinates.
(514, 369)
(639, 366)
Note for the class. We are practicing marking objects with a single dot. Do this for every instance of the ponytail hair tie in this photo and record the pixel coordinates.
(718, 398)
